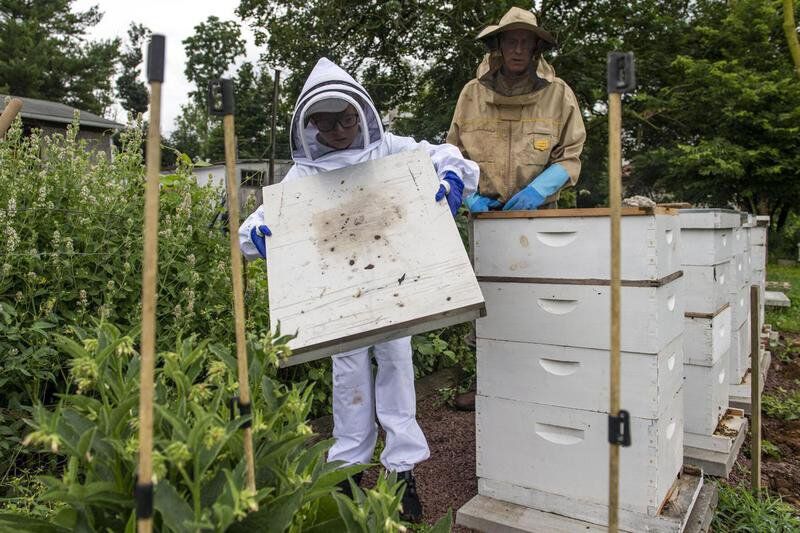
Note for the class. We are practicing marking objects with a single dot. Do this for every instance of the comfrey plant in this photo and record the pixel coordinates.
(198, 461)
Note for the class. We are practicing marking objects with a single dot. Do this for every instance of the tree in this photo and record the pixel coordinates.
(212, 48)
(210, 51)
(131, 91)
(44, 54)
(726, 129)
(790, 29)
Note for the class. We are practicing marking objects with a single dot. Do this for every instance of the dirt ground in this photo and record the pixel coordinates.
(780, 474)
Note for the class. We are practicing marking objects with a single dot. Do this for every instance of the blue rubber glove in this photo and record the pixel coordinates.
(257, 235)
(456, 187)
(479, 204)
(536, 192)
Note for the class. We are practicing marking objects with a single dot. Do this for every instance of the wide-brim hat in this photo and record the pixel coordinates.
(516, 19)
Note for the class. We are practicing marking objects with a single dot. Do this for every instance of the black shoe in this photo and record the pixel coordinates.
(344, 486)
(412, 508)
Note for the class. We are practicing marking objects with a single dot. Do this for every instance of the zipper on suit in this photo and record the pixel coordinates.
(509, 176)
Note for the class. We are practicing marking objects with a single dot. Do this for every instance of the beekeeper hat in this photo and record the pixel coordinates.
(516, 19)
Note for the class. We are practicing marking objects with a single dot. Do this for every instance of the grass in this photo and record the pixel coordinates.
(740, 510)
(785, 318)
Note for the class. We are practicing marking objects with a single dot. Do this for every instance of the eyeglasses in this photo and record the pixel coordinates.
(328, 123)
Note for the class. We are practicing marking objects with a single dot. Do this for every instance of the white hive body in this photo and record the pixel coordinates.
(543, 359)
(706, 396)
(707, 339)
(563, 451)
(740, 353)
(578, 315)
(577, 247)
(578, 378)
(707, 236)
(707, 286)
(740, 307)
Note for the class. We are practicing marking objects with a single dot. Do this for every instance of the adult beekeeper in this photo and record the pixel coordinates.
(518, 121)
(335, 125)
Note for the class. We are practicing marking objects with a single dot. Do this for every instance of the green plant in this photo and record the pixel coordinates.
(740, 510)
(447, 395)
(784, 405)
(198, 463)
(770, 450)
(785, 319)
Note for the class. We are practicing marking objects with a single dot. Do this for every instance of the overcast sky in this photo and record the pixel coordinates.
(176, 20)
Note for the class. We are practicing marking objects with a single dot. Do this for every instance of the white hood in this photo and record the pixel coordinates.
(328, 80)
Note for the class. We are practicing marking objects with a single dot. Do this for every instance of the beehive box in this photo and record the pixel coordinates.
(740, 236)
(740, 353)
(707, 337)
(578, 377)
(578, 315)
(740, 307)
(364, 254)
(759, 257)
(575, 244)
(707, 235)
(564, 451)
(707, 286)
(706, 396)
(739, 270)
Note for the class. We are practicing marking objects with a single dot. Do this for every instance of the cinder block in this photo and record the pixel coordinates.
(575, 247)
(578, 315)
(706, 396)
(578, 377)
(707, 338)
(564, 451)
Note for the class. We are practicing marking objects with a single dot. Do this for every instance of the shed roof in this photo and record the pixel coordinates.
(45, 110)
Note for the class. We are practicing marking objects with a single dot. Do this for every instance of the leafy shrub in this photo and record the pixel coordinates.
(72, 246)
(784, 405)
(198, 459)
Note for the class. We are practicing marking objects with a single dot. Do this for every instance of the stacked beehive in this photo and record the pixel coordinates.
(712, 274)
(739, 359)
(543, 359)
(758, 256)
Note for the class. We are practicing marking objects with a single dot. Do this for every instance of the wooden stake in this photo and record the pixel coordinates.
(755, 390)
(144, 492)
(8, 116)
(621, 78)
(615, 203)
(221, 92)
(271, 180)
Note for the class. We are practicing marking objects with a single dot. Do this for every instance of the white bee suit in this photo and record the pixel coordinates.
(357, 398)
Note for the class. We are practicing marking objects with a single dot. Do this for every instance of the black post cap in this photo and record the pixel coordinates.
(621, 72)
(155, 58)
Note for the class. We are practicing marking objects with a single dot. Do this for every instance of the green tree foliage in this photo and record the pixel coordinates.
(201, 136)
(131, 91)
(713, 120)
(211, 51)
(44, 54)
(724, 125)
(212, 48)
